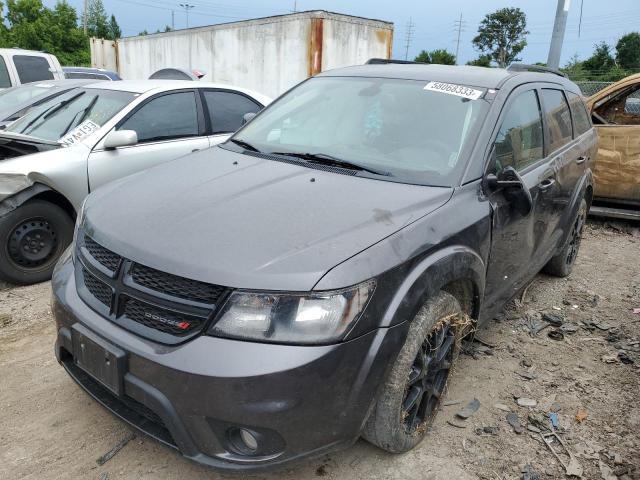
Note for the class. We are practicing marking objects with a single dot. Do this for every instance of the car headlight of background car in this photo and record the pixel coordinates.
(309, 318)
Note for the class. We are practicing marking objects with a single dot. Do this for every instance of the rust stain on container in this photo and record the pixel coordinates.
(389, 43)
(315, 46)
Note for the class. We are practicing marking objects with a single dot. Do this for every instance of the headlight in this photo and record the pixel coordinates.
(311, 318)
(79, 220)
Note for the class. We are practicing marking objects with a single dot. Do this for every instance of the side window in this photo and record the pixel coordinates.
(558, 117)
(170, 116)
(623, 108)
(5, 80)
(227, 109)
(581, 120)
(520, 139)
(32, 69)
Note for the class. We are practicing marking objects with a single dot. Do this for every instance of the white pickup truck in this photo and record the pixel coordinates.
(18, 66)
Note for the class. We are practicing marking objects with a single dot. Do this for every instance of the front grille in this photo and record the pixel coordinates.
(98, 289)
(161, 319)
(161, 306)
(176, 286)
(105, 257)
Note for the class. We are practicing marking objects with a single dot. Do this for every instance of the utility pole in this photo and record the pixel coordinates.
(408, 37)
(459, 25)
(173, 22)
(84, 17)
(559, 26)
(187, 7)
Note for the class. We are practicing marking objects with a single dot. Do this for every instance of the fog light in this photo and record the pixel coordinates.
(249, 440)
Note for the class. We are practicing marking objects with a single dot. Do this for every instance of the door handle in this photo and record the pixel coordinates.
(546, 184)
(581, 159)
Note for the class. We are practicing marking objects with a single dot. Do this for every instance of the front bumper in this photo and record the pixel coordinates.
(301, 401)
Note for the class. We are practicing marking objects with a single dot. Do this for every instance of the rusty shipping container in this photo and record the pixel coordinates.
(269, 55)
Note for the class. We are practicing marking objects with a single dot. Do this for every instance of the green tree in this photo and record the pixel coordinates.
(97, 23)
(481, 61)
(600, 62)
(114, 28)
(439, 56)
(502, 35)
(31, 25)
(575, 70)
(628, 51)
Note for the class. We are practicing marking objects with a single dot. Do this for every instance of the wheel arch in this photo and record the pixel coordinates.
(457, 269)
(38, 191)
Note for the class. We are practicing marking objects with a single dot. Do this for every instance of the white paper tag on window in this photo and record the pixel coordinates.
(79, 133)
(453, 89)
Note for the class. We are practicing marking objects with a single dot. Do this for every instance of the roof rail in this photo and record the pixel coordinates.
(523, 67)
(384, 61)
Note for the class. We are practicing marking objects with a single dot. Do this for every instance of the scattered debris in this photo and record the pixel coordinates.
(636, 311)
(614, 334)
(5, 319)
(625, 358)
(556, 335)
(526, 402)
(471, 408)
(455, 422)
(613, 358)
(528, 473)
(554, 442)
(533, 429)
(581, 415)
(514, 421)
(538, 420)
(554, 319)
(503, 407)
(449, 403)
(527, 375)
(119, 446)
(487, 431)
(553, 418)
(104, 476)
(606, 471)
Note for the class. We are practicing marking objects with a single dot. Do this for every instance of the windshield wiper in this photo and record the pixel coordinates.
(50, 111)
(85, 111)
(243, 144)
(325, 159)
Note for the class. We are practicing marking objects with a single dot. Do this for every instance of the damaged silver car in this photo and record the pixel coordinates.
(51, 158)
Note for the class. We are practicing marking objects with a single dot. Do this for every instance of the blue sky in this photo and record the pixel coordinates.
(434, 20)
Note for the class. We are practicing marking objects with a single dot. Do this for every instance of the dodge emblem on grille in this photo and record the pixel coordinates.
(155, 317)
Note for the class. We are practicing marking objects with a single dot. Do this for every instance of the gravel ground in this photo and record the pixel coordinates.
(50, 429)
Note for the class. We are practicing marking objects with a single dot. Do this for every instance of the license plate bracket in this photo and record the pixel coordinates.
(97, 357)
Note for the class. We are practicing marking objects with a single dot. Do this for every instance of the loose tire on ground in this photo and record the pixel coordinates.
(562, 264)
(390, 426)
(32, 238)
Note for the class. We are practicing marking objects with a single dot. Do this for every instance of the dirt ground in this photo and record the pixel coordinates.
(50, 429)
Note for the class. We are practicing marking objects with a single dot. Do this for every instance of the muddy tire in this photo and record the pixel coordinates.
(32, 238)
(410, 397)
(562, 264)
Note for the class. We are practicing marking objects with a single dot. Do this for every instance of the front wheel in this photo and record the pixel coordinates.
(411, 395)
(562, 264)
(32, 238)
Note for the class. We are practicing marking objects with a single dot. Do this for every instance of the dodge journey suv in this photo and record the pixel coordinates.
(310, 280)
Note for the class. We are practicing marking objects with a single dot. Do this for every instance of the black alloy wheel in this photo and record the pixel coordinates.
(32, 243)
(576, 237)
(428, 377)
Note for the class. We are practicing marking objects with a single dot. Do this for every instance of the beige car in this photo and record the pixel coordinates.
(615, 111)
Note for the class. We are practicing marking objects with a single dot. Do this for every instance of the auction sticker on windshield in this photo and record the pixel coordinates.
(452, 89)
(79, 133)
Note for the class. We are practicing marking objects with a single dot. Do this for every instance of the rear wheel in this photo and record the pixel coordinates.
(562, 264)
(32, 238)
(410, 397)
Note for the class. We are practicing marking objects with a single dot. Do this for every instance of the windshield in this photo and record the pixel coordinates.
(414, 134)
(17, 95)
(55, 118)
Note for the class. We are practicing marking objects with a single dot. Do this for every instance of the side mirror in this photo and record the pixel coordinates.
(120, 138)
(247, 117)
(513, 188)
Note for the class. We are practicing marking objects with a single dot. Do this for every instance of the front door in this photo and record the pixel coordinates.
(518, 239)
(169, 126)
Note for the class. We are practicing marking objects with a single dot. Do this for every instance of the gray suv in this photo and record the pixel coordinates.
(310, 280)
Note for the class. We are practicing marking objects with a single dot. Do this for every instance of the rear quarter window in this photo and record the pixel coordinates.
(5, 80)
(558, 117)
(32, 69)
(581, 120)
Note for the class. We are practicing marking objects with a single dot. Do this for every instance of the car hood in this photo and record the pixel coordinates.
(247, 222)
(15, 145)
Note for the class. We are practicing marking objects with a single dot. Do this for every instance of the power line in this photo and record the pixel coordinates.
(409, 37)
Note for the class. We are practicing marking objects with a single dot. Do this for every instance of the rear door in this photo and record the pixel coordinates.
(225, 111)
(169, 125)
(521, 243)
